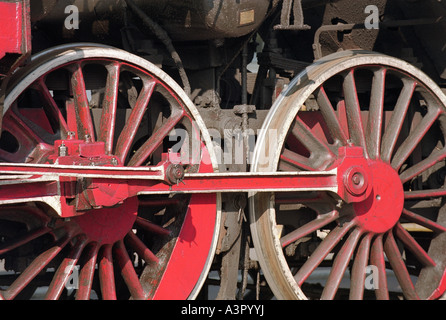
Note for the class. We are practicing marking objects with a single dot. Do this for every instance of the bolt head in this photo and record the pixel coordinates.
(175, 173)
(355, 181)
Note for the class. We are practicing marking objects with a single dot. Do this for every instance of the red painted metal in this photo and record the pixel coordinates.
(97, 187)
(373, 186)
(107, 186)
(83, 117)
(106, 273)
(354, 180)
(14, 33)
(192, 244)
(380, 211)
(34, 268)
(107, 129)
(128, 272)
(125, 139)
(115, 222)
(87, 273)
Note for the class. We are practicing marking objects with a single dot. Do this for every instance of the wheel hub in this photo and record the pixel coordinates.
(381, 210)
(373, 187)
(108, 225)
(106, 214)
(84, 194)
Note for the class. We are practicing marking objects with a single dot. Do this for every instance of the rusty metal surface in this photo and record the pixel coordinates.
(184, 20)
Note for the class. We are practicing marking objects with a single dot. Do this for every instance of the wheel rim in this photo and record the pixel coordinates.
(140, 247)
(393, 115)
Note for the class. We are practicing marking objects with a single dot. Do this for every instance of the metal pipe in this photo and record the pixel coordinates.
(165, 39)
(244, 76)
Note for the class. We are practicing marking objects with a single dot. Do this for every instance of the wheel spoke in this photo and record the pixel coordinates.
(318, 149)
(87, 272)
(36, 133)
(106, 274)
(353, 111)
(55, 117)
(393, 129)
(20, 241)
(31, 146)
(72, 118)
(155, 140)
(127, 135)
(375, 120)
(65, 269)
(411, 244)
(140, 248)
(423, 165)
(357, 281)
(31, 130)
(321, 252)
(151, 227)
(330, 117)
(85, 124)
(425, 222)
(399, 267)
(291, 161)
(309, 227)
(422, 194)
(340, 265)
(110, 102)
(414, 138)
(128, 272)
(377, 260)
(38, 264)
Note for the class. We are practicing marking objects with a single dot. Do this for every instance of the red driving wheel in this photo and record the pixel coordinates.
(98, 106)
(379, 123)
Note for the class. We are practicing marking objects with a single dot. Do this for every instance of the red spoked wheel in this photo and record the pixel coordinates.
(380, 123)
(96, 106)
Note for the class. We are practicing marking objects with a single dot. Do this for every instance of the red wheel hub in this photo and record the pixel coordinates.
(108, 225)
(382, 208)
(373, 187)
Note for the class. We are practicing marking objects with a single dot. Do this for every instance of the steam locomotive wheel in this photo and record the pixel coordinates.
(128, 113)
(381, 233)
